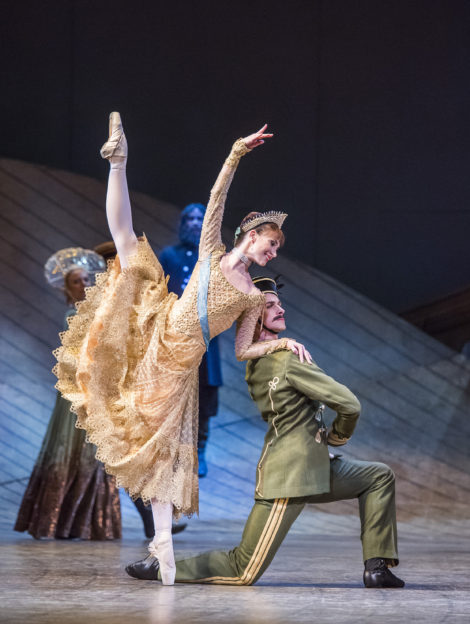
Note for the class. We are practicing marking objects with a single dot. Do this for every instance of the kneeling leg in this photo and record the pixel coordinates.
(264, 531)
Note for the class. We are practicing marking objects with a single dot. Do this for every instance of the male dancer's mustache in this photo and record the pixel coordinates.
(279, 316)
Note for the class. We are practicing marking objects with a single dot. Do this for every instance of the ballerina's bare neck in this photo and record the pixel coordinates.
(237, 274)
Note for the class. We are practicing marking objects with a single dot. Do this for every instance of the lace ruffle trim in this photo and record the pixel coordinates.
(97, 381)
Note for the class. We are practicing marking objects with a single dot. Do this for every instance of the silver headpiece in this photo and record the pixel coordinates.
(65, 260)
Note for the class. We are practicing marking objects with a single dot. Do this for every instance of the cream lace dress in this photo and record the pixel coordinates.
(129, 361)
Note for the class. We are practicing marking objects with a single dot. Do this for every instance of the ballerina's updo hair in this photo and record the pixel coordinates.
(263, 227)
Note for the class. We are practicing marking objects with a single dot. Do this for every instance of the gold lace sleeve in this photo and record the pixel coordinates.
(210, 234)
(245, 347)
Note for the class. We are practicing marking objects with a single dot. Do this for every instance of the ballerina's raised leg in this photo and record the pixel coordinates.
(118, 205)
(119, 214)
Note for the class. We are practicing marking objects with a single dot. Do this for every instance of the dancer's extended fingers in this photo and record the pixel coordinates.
(292, 345)
(262, 134)
(257, 138)
(308, 356)
(301, 353)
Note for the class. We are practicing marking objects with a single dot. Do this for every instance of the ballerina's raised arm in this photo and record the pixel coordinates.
(211, 228)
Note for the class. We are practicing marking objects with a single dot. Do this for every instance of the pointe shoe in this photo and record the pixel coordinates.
(162, 549)
(115, 148)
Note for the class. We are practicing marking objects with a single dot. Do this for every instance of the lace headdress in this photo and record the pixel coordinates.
(66, 260)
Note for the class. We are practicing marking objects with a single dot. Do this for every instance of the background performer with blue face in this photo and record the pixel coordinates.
(178, 261)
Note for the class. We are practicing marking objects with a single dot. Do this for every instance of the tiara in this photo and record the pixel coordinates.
(273, 216)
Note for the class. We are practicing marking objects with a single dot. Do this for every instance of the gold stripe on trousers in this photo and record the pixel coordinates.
(259, 554)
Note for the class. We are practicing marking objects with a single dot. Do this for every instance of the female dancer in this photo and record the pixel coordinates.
(129, 362)
(69, 494)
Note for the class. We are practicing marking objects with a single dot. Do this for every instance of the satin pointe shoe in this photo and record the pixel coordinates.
(162, 549)
(161, 558)
(379, 576)
(145, 569)
(115, 148)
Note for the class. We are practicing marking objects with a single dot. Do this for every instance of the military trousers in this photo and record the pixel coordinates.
(270, 520)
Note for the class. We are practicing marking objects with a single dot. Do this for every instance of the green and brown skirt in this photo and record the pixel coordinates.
(69, 494)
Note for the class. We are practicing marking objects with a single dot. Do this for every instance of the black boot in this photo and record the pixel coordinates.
(146, 569)
(376, 574)
(147, 517)
(177, 528)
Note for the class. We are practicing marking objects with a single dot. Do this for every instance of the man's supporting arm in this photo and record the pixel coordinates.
(317, 385)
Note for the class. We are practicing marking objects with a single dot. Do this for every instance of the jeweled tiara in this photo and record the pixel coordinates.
(273, 216)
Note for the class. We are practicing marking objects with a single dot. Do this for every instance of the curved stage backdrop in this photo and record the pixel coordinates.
(414, 391)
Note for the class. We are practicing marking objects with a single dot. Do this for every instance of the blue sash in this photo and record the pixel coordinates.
(203, 288)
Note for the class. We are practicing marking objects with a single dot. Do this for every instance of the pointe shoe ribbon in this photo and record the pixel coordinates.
(116, 145)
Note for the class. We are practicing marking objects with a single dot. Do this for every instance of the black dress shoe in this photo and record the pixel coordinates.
(380, 576)
(177, 528)
(146, 569)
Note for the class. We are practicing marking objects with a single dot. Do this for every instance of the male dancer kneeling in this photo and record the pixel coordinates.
(296, 468)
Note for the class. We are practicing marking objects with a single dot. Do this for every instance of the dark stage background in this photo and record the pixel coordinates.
(369, 101)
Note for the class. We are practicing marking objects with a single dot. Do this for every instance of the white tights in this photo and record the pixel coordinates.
(162, 544)
(119, 214)
(118, 210)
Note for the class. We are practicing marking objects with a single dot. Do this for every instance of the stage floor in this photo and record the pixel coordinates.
(314, 578)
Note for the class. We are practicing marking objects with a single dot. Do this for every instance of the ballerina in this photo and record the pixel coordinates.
(129, 361)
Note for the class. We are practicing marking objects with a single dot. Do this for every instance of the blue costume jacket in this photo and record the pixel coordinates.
(179, 261)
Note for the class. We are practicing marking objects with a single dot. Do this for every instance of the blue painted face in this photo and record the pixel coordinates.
(191, 225)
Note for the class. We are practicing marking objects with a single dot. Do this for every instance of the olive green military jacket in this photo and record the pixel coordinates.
(288, 394)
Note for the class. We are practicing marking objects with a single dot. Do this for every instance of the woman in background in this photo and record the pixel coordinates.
(69, 494)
